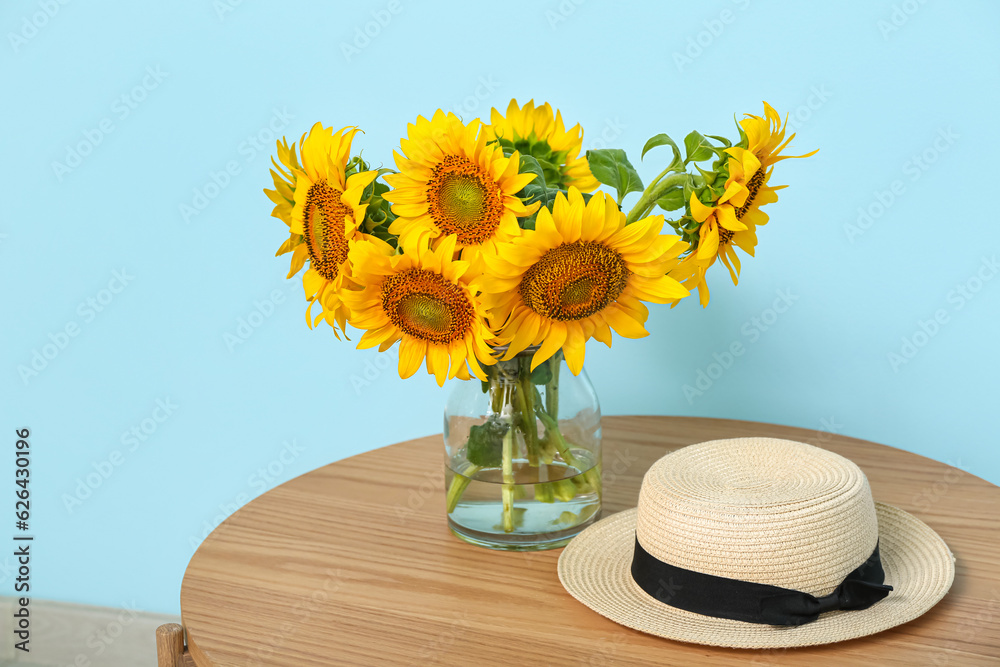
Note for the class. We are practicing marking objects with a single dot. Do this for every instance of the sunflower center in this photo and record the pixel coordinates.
(464, 200)
(574, 280)
(427, 306)
(324, 229)
(753, 186)
(725, 235)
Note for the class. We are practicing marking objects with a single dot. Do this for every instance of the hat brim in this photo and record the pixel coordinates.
(595, 569)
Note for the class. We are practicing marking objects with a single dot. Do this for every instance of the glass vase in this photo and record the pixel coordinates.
(523, 455)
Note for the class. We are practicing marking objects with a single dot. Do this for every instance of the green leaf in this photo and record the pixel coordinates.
(698, 148)
(688, 189)
(722, 140)
(672, 200)
(533, 193)
(662, 140)
(744, 141)
(542, 374)
(530, 165)
(547, 167)
(536, 190)
(709, 176)
(611, 167)
(485, 446)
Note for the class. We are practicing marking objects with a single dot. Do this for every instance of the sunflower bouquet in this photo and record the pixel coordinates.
(490, 252)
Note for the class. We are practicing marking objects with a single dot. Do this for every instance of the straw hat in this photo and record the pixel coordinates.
(781, 535)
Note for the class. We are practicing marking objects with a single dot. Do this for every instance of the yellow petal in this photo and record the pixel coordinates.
(709, 245)
(526, 331)
(473, 360)
(312, 281)
(623, 324)
(601, 330)
(658, 290)
(633, 233)
(299, 257)
(574, 347)
(437, 362)
(457, 352)
(699, 211)
(553, 341)
(374, 337)
(726, 215)
(411, 354)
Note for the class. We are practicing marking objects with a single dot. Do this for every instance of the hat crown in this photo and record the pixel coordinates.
(759, 509)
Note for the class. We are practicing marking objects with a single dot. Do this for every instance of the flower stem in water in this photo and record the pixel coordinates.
(459, 482)
(507, 490)
(526, 406)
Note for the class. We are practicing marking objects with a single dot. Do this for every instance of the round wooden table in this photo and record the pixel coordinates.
(352, 564)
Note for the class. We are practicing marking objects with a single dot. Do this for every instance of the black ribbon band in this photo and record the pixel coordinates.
(751, 602)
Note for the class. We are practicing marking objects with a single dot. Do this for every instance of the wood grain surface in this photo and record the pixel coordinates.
(352, 564)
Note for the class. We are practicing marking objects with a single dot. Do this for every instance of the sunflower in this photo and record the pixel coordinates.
(579, 272)
(718, 236)
(423, 299)
(452, 182)
(283, 197)
(283, 194)
(539, 132)
(752, 162)
(731, 221)
(320, 203)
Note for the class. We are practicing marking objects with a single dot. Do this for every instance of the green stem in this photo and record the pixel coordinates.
(552, 389)
(526, 406)
(496, 390)
(663, 173)
(507, 490)
(460, 482)
(458, 485)
(653, 192)
(544, 492)
(592, 475)
(556, 437)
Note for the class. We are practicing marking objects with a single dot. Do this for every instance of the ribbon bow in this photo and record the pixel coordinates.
(797, 608)
(753, 602)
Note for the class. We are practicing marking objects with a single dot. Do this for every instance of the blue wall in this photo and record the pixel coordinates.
(175, 105)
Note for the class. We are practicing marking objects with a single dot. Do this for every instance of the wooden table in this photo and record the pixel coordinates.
(352, 564)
